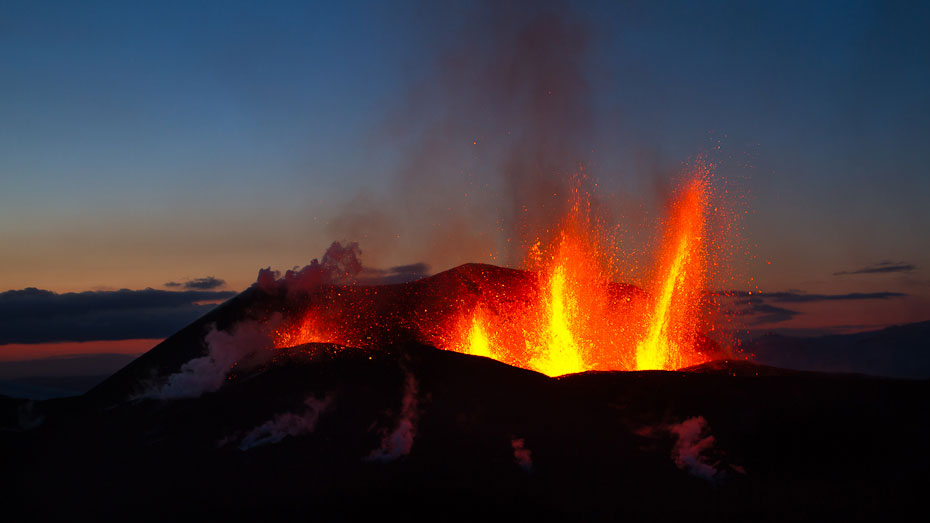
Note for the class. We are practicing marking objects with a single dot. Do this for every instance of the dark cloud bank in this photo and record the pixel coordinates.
(884, 267)
(36, 316)
(199, 284)
(758, 309)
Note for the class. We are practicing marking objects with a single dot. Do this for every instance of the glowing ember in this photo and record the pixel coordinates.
(564, 315)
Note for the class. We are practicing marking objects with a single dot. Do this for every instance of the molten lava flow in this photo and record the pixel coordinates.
(564, 315)
(672, 324)
(478, 343)
(559, 353)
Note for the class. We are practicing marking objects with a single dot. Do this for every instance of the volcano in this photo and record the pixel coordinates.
(426, 311)
(394, 427)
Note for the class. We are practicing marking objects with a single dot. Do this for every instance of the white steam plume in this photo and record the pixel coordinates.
(689, 451)
(248, 345)
(399, 442)
(250, 342)
(522, 456)
(287, 424)
(340, 263)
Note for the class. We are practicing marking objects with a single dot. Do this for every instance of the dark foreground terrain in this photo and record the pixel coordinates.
(331, 433)
(323, 432)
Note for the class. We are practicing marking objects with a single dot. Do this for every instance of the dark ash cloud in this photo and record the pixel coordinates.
(36, 316)
(198, 284)
(884, 267)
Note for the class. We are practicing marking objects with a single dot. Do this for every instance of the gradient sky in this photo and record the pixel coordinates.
(145, 143)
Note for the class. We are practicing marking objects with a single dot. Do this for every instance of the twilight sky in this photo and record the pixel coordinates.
(145, 144)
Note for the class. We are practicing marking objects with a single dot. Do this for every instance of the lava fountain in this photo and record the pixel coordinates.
(673, 321)
(564, 314)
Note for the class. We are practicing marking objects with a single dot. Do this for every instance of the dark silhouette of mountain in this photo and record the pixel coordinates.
(58, 376)
(48, 387)
(406, 431)
(900, 351)
(391, 314)
(602, 445)
(77, 365)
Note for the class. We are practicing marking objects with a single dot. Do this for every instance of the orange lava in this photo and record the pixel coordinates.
(563, 315)
(672, 324)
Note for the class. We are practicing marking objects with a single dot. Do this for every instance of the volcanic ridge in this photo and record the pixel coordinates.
(397, 427)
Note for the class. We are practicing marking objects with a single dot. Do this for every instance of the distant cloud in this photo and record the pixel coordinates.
(746, 298)
(796, 297)
(398, 274)
(880, 268)
(757, 308)
(765, 313)
(204, 284)
(198, 284)
(36, 316)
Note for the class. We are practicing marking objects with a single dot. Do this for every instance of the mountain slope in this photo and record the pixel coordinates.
(900, 351)
(428, 434)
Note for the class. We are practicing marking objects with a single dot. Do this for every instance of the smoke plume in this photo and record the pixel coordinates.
(522, 456)
(487, 139)
(399, 441)
(248, 346)
(249, 343)
(340, 263)
(690, 450)
(287, 424)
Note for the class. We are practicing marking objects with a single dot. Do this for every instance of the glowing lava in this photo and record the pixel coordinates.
(478, 343)
(672, 324)
(559, 353)
(565, 314)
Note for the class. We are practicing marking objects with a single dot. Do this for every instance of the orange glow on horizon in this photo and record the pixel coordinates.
(32, 351)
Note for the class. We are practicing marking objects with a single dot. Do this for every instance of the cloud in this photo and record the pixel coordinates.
(204, 284)
(745, 298)
(796, 297)
(37, 316)
(757, 308)
(764, 313)
(198, 284)
(884, 267)
(398, 274)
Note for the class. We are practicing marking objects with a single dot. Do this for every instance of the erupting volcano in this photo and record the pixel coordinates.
(316, 393)
(565, 313)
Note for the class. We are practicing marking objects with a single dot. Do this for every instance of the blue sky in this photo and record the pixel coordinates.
(142, 143)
